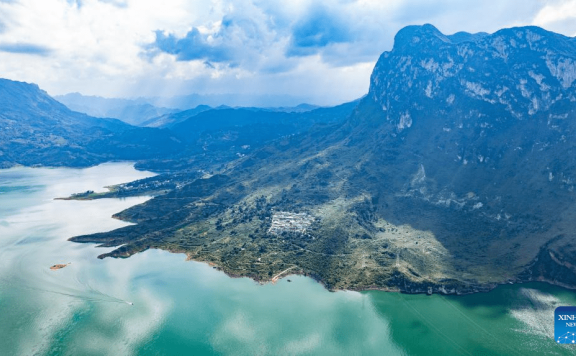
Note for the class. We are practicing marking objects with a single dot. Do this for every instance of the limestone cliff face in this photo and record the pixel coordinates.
(484, 113)
(486, 125)
(523, 71)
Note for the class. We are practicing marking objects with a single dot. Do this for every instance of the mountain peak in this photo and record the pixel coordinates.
(5, 82)
(419, 35)
(14, 94)
(463, 36)
(12, 86)
(427, 35)
(425, 64)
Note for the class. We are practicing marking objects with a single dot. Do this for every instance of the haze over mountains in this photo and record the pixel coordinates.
(133, 112)
(39, 130)
(143, 111)
(455, 173)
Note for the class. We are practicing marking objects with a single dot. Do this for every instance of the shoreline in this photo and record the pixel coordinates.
(391, 289)
(398, 282)
(410, 287)
(437, 289)
(133, 163)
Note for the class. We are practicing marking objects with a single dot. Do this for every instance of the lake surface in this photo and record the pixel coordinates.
(182, 307)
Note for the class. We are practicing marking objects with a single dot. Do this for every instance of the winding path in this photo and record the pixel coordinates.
(276, 277)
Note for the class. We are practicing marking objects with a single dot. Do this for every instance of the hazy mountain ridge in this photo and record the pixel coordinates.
(184, 102)
(38, 130)
(455, 173)
(171, 119)
(223, 118)
(144, 110)
(132, 111)
(218, 136)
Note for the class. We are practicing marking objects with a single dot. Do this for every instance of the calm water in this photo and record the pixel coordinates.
(189, 308)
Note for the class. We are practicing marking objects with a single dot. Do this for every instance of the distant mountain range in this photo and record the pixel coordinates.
(38, 130)
(217, 136)
(133, 112)
(184, 102)
(454, 174)
(152, 111)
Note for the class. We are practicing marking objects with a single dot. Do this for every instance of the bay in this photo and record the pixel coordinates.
(183, 307)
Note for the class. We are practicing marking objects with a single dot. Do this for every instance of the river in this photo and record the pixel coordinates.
(182, 307)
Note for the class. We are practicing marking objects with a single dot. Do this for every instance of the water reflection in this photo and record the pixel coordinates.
(185, 307)
(179, 307)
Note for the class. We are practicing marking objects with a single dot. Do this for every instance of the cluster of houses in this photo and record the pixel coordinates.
(283, 221)
(151, 185)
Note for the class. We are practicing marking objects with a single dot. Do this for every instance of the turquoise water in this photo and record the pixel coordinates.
(182, 307)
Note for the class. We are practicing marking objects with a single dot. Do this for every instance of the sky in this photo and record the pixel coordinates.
(322, 51)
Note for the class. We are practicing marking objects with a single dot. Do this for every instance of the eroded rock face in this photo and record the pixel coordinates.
(486, 114)
(523, 71)
(455, 173)
(491, 119)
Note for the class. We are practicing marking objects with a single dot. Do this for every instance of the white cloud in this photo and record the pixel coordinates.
(556, 12)
(104, 47)
(558, 16)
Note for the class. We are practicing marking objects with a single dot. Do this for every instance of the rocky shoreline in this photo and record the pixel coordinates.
(398, 282)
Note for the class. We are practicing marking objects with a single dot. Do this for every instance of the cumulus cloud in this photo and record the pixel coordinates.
(321, 49)
(236, 39)
(317, 29)
(193, 46)
(558, 16)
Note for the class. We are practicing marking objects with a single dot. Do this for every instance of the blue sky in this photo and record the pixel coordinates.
(323, 51)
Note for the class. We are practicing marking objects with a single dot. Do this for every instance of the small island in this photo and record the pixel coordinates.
(59, 266)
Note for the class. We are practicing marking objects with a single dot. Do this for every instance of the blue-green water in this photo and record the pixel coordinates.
(182, 307)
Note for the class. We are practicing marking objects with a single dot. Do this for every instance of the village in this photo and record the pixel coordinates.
(283, 221)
